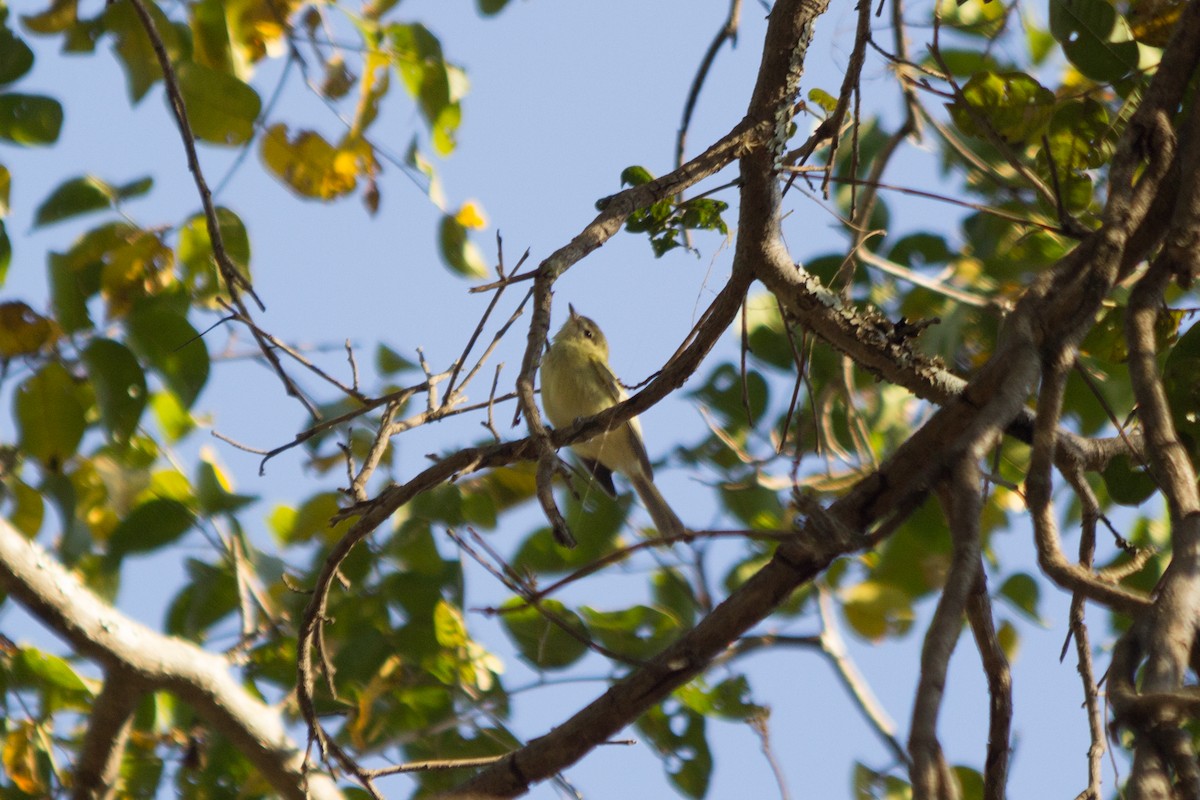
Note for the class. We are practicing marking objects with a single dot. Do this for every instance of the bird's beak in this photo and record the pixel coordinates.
(571, 308)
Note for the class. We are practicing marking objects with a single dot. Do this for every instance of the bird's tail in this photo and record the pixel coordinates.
(665, 520)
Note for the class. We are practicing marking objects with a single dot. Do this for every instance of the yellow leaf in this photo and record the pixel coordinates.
(23, 331)
(312, 166)
(471, 216)
(20, 759)
(875, 609)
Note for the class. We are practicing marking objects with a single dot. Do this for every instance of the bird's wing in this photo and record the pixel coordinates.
(638, 446)
(601, 474)
(604, 376)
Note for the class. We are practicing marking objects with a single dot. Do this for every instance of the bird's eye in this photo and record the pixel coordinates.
(588, 333)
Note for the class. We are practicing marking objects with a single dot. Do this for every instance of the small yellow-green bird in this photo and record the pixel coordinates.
(577, 382)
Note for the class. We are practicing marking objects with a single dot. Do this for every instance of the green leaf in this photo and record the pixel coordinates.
(172, 417)
(28, 507)
(83, 195)
(970, 782)
(490, 7)
(541, 642)
(458, 251)
(876, 610)
(50, 669)
(150, 526)
(1023, 592)
(679, 735)
(172, 347)
(921, 250)
(1009, 640)
(1014, 105)
(221, 108)
(120, 386)
(389, 362)
(50, 412)
(436, 85)
(729, 699)
(5, 190)
(133, 46)
(738, 403)
(196, 254)
(311, 520)
(1081, 135)
(1126, 484)
(638, 632)
(213, 490)
(980, 19)
(16, 58)
(5, 252)
(210, 596)
(30, 119)
(1095, 38)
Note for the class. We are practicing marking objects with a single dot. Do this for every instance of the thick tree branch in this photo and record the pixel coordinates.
(98, 631)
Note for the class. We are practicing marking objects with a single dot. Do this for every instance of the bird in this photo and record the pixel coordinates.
(578, 382)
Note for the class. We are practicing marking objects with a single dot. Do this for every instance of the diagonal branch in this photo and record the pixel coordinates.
(98, 631)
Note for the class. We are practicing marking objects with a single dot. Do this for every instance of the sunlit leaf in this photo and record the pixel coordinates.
(875, 610)
(458, 251)
(310, 165)
(1081, 135)
(172, 417)
(214, 489)
(51, 669)
(22, 759)
(1012, 104)
(436, 85)
(28, 507)
(1095, 38)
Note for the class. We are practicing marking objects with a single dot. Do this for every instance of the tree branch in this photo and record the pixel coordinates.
(96, 630)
